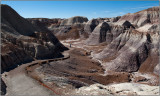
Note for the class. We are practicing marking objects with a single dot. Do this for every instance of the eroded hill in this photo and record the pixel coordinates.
(23, 42)
(102, 50)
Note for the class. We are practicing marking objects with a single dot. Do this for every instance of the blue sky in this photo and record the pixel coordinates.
(66, 9)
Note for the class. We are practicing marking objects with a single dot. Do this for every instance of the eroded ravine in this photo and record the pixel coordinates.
(59, 73)
(66, 75)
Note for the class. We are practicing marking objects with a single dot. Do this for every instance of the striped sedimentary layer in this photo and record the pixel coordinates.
(22, 41)
(132, 42)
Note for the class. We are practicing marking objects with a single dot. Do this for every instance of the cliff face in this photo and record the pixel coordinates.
(135, 45)
(23, 41)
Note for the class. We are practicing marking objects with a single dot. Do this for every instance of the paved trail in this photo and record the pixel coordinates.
(18, 83)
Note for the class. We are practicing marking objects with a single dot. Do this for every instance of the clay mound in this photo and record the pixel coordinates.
(125, 23)
(68, 33)
(23, 41)
(135, 47)
(131, 51)
(107, 33)
(99, 34)
(115, 19)
(48, 23)
(149, 28)
(71, 28)
(74, 20)
(90, 25)
(12, 56)
(150, 15)
(15, 21)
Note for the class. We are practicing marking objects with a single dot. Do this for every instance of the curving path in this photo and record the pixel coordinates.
(18, 83)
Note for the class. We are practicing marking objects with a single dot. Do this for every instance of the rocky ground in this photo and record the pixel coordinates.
(118, 89)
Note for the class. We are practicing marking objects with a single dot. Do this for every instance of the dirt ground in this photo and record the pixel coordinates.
(77, 71)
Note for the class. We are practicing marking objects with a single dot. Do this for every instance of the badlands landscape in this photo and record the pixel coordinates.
(78, 56)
